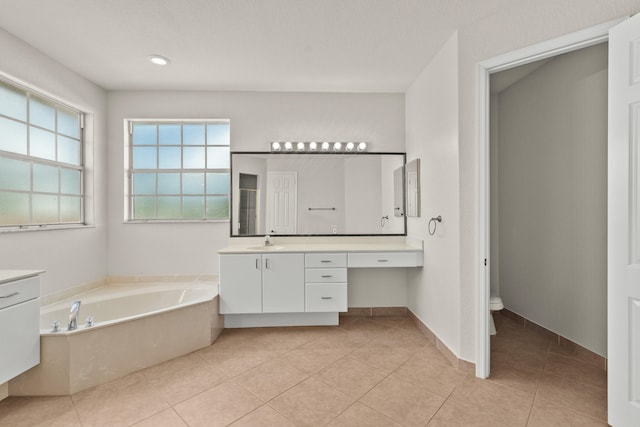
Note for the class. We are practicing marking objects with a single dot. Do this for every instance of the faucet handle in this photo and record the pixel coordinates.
(55, 326)
(89, 322)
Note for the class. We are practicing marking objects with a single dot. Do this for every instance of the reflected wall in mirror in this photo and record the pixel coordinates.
(315, 194)
(398, 192)
(413, 188)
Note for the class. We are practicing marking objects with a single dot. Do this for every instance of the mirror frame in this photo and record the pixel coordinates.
(231, 182)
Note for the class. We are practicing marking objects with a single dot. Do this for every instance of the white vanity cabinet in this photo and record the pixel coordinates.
(325, 282)
(261, 283)
(19, 325)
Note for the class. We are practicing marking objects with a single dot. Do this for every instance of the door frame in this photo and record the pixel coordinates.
(557, 46)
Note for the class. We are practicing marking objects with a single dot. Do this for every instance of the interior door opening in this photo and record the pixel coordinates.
(548, 195)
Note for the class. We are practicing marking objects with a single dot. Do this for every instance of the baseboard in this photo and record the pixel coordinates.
(375, 311)
(460, 364)
(565, 346)
(4, 391)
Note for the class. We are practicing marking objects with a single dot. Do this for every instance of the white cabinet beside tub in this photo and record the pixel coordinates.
(19, 323)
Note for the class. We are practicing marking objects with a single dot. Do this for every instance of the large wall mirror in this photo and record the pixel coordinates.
(317, 194)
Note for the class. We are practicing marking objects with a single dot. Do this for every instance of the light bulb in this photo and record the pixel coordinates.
(337, 146)
(325, 146)
(362, 146)
(288, 146)
(350, 146)
(313, 146)
(159, 60)
(275, 146)
(300, 146)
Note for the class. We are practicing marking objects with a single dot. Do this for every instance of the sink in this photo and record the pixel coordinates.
(265, 248)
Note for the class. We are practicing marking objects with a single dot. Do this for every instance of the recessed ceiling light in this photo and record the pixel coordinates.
(159, 60)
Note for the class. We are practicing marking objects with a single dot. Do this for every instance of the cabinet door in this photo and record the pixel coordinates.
(240, 283)
(19, 338)
(283, 283)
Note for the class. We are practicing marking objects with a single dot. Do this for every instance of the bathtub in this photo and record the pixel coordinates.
(136, 325)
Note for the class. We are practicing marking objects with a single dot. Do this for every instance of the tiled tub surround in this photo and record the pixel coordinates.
(136, 326)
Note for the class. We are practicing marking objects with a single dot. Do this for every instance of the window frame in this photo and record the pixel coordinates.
(30, 94)
(131, 171)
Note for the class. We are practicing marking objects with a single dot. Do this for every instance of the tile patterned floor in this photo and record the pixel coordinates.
(378, 371)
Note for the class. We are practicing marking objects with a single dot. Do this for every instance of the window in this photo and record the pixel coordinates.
(41, 161)
(179, 170)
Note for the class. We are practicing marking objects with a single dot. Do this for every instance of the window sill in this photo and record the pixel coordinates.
(176, 221)
(28, 228)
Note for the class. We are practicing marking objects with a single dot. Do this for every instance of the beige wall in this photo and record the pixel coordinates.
(432, 136)
(76, 256)
(552, 198)
(256, 119)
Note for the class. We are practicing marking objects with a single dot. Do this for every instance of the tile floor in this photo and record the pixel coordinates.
(374, 371)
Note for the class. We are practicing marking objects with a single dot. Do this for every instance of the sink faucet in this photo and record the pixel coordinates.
(267, 240)
(73, 316)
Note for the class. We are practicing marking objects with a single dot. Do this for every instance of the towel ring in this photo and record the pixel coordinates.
(382, 220)
(435, 222)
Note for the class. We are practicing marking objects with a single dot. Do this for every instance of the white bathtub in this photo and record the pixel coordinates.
(118, 303)
(135, 326)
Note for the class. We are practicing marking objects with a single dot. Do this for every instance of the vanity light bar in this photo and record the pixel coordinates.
(311, 147)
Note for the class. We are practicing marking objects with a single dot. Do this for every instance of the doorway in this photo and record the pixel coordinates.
(568, 43)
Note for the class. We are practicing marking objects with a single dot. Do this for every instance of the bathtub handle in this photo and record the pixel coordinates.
(13, 294)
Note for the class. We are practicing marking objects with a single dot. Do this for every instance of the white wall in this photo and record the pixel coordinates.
(76, 256)
(432, 136)
(552, 159)
(316, 193)
(256, 118)
(362, 195)
(523, 24)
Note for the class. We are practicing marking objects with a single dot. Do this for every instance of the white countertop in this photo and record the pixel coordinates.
(342, 246)
(11, 275)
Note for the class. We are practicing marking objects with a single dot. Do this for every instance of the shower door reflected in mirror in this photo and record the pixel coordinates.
(248, 209)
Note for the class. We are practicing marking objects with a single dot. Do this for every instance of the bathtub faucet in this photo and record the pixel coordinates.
(73, 316)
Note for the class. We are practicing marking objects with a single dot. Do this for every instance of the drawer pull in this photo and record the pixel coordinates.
(325, 260)
(326, 297)
(13, 294)
(383, 260)
(326, 275)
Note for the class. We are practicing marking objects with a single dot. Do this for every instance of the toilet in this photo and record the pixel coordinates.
(495, 304)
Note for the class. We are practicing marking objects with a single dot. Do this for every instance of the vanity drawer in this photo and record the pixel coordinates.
(326, 297)
(321, 260)
(385, 259)
(325, 275)
(18, 291)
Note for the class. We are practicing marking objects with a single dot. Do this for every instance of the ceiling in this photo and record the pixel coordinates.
(256, 45)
